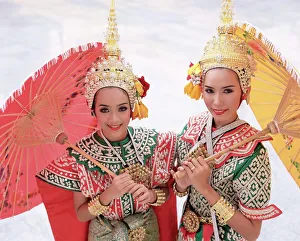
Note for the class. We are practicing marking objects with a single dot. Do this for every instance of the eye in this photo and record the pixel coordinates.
(228, 91)
(208, 90)
(104, 110)
(123, 108)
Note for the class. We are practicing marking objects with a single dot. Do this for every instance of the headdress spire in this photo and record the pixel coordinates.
(112, 70)
(226, 18)
(226, 15)
(224, 51)
(112, 35)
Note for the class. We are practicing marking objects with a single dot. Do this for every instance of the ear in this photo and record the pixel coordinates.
(246, 95)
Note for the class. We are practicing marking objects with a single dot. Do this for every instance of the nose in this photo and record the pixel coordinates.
(218, 100)
(114, 118)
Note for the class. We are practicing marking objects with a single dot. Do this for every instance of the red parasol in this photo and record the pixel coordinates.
(49, 102)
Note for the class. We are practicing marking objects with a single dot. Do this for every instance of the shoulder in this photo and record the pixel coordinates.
(198, 119)
(146, 133)
(192, 129)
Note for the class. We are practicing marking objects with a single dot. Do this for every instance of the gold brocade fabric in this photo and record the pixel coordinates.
(143, 226)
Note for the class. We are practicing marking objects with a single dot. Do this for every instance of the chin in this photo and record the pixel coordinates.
(118, 135)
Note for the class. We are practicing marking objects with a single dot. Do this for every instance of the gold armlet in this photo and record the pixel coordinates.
(160, 197)
(224, 211)
(95, 207)
(180, 194)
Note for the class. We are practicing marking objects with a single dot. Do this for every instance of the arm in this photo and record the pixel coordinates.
(81, 207)
(249, 229)
(160, 163)
(199, 172)
(120, 185)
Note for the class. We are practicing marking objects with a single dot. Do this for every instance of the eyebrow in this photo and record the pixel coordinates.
(228, 86)
(125, 103)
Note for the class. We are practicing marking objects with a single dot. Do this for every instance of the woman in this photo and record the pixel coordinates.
(118, 208)
(227, 200)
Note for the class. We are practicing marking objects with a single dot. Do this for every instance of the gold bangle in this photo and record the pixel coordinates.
(95, 207)
(179, 194)
(224, 210)
(160, 197)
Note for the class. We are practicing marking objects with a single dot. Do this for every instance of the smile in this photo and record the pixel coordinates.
(219, 112)
(114, 127)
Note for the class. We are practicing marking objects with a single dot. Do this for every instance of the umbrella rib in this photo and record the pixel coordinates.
(27, 182)
(292, 160)
(3, 151)
(60, 76)
(35, 161)
(30, 95)
(18, 180)
(264, 103)
(21, 106)
(65, 91)
(272, 76)
(70, 66)
(75, 123)
(43, 79)
(264, 119)
(38, 161)
(8, 161)
(282, 73)
(65, 70)
(80, 104)
(15, 114)
(5, 133)
(71, 134)
(268, 91)
(269, 83)
(10, 175)
(79, 113)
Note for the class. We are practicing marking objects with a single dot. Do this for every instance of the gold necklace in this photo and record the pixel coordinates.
(139, 172)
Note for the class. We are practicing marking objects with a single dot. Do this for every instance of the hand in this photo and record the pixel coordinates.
(182, 182)
(120, 185)
(142, 194)
(198, 172)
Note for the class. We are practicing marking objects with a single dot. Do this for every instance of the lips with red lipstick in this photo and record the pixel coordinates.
(219, 112)
(114, 127)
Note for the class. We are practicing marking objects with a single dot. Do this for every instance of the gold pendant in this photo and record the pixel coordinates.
(191, 221)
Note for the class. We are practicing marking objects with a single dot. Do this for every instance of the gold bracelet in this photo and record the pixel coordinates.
(160, 197)
(95, 207)
(224, 210)
(179, 194)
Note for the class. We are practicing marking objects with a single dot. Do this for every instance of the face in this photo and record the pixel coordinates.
(222, 95)
(113, 112)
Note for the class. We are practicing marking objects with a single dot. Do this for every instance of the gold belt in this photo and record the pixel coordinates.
(191, 221)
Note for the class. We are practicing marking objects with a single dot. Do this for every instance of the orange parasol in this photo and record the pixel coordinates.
(275, 94)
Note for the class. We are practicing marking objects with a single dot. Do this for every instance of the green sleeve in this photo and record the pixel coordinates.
(252, 180)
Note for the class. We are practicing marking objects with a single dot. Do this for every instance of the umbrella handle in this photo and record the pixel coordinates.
(211, 159)
(90, 158)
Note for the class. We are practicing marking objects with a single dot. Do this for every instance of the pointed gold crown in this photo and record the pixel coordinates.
(113, 71)
(224, 51)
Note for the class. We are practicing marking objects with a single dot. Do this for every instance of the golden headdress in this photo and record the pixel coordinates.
(113, 71)
(226, 51)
